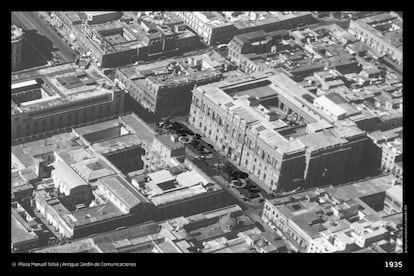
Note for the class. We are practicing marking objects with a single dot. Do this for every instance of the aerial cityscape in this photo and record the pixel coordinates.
(207, 132)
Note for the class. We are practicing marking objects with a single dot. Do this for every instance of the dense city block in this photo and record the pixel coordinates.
(206, 132)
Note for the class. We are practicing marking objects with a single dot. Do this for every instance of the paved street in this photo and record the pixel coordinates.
(252, 209)
(32, 21)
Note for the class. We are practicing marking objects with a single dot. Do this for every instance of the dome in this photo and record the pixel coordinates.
(227, 223)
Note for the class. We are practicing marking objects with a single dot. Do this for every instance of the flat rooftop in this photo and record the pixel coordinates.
(20, 233)
(123, 191)
(116, 144)
(140, 128)
(363, 188)
(61, 85)
(92, 169)
(24, 153)
(263, 18)
(82, 216)
(267, 86)
(213, 18)
(162, 72)
(259, 92)
(163, 187)
(388, 26)
(166, 140)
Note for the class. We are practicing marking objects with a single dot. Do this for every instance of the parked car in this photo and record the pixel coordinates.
(209, 145)
(239, 174)
(206, 156)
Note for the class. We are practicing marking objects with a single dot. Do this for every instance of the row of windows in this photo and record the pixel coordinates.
(209, 112)
(57, 121)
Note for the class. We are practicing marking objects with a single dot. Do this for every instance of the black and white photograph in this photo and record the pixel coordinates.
(207, 131)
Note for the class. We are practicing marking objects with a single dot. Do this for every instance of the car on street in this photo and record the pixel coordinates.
(205, 157)
(239, 174)
(209, 145)
(197, 136)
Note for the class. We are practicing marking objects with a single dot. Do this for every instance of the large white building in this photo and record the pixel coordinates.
(247, 119)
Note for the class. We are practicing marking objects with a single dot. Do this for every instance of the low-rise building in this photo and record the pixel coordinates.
(23, 236)
(135, 239)
(80, 188)
(393, 200)
(223, 230)
(165, 151)
(382, 32)
(122, 141)
(163, 88)
(392, 155)
(335, 219)
(180, 190)
(116, 43)
(219, 27)
(51, 98)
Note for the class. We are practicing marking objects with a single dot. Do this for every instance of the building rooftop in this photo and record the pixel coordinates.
(174, 71)
(92, 169)
(261, 18)
(363, 188)
(213, 18)
(21, 232)
(117, 143)
(68, 175)
(323, 212)
(16, 33)
(80, 246)
(123, 191)
(168, 142)
(61, 85)
(162, 187)
(387, 26)
(321, 140)
(98, 13)
(330, 106)
(83, 216)
(140, 128)
(126, 34)
(396, 193)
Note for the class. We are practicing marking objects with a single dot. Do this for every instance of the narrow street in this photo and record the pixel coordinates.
(32, 21)
(253, 210)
